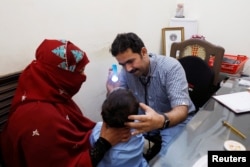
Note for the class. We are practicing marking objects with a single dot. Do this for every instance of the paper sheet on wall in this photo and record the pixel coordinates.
(238, 102)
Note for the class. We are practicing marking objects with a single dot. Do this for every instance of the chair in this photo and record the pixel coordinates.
(8, 84)
(200, 79)
(202, 49)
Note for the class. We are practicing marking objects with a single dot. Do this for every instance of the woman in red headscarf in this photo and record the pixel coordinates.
(45, 126)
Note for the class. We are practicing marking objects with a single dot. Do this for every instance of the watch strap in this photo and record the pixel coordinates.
(166, 121)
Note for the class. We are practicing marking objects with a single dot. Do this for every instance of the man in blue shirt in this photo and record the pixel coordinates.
(115, 111)
(160, 84)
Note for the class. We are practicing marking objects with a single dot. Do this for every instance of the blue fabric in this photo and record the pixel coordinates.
(168, 86)
(126, 154)
(167, 89)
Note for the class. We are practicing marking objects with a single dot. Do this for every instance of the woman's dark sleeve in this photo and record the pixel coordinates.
(98, 151)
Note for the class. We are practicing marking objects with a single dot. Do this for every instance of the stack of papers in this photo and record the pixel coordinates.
(238, 102)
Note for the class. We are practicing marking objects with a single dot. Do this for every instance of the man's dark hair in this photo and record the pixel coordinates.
(118, 106)
(124, 41)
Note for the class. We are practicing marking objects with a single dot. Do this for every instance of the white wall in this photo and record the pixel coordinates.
(93, 24)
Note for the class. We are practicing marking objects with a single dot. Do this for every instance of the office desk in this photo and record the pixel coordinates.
(205, 132)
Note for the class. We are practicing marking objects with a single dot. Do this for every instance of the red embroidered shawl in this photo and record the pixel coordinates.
(45, 127)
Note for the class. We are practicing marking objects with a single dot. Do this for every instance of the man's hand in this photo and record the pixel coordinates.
(153, 120)
(115, 135)
(145, 123)
(110, 85)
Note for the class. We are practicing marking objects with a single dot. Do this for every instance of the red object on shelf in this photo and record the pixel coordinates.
(231, 64)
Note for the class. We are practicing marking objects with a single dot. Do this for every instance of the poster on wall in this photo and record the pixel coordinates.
(170, 35)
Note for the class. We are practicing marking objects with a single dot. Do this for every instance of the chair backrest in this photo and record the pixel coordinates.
(8, 84)
(202, 49)
(200, 79)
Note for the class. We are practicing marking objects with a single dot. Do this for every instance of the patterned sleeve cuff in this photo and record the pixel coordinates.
(98, 151)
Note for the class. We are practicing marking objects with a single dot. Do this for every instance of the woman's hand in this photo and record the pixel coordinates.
(115, 135)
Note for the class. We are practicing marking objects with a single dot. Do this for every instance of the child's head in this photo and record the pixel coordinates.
(118, 106)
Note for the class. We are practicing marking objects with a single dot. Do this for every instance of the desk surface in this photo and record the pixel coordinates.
(205, 132)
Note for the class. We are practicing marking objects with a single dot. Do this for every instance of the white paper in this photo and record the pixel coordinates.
(244, 82)
(202, 162)
(238, 102)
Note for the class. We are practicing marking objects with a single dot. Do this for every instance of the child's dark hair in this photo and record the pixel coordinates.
(118, 106)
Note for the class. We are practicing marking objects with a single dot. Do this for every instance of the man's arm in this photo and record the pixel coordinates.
(177, 114)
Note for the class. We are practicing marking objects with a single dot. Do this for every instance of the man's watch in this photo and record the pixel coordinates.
(166, 122)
